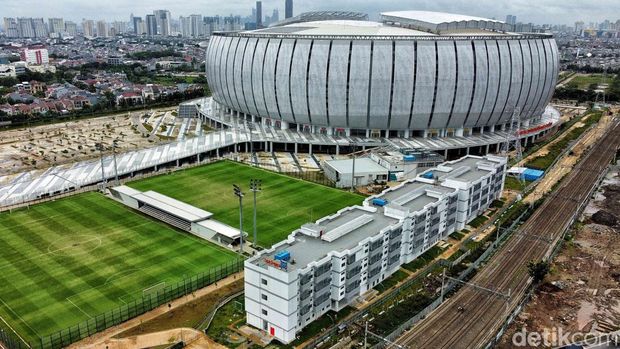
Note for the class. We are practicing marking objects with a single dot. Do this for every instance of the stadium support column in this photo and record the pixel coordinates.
(310, 148)
(487, 151)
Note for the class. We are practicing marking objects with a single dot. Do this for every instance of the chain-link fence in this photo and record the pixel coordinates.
(98, 323)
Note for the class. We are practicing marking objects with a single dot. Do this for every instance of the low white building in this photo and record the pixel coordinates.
(325, 265)
(366, 172)
(7, 71)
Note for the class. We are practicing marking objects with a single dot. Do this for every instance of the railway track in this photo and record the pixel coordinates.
(472, 317)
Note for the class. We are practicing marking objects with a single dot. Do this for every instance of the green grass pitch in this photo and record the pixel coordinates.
(283, 205)
(64, 261)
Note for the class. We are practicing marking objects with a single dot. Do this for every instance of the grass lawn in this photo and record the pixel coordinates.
(513, 183)
(284, 203)
(584, 81)
(68, 260)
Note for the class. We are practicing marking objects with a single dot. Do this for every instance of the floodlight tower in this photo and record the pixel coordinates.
(512, 141)
(255, 187)
(239, 194)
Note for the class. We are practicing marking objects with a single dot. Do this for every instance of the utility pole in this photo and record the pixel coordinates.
(443, 281)
(239, 194)
(255, 187)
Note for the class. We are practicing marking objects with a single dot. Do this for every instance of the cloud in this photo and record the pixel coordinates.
(536, 11)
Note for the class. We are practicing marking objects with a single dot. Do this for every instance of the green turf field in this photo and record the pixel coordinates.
(65, 261)
(284, 204)
(584, 81)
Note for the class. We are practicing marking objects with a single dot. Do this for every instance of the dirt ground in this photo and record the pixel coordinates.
(582, 292)
(191, 337)
(105, 338)
(44, 146)
(566, 163)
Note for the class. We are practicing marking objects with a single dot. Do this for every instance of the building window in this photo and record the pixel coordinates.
(264, 312)
(264, 297)
(263, 281)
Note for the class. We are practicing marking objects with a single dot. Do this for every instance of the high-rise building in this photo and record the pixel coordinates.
(275, 16)
(288, 8)
(136, 22)
(88, 28)
(25, 28)
(510, 19)
(259, 14)
(71, 28)
(56, 25)
(11, 28)
(40, 29)
(119, 27)
(102, 29)
(211, 24)
(196, 26)
(151, 25)
(163, 20)
(579, 27)
(232, 23)
(185, 26)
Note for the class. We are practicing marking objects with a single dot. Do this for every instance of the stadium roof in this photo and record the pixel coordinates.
(172, 206)
(395, 24)
(435, 17)
(437, 22)
(322, 16)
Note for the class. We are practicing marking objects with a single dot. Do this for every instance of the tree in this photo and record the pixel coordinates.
(538, 270)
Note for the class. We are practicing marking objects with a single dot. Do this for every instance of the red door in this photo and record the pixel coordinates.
(272, 331)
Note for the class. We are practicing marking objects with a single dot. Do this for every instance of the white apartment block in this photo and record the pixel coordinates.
(327, 264)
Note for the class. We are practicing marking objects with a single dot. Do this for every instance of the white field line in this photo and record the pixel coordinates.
(80, 309)
(52, 252)
(21, 319)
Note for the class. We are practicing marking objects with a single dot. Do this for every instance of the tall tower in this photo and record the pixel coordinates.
(259, 14)
(288, 8)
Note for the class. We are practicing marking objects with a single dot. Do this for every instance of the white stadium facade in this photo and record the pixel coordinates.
(412, 75)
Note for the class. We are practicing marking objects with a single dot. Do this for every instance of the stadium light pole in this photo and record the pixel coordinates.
(239, 194)
(114, 156)
(255, 187)
(100, 147)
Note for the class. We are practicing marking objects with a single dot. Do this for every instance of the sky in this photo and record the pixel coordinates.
(535, 11)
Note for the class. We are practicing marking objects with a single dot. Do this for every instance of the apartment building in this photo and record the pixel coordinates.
(327, 264)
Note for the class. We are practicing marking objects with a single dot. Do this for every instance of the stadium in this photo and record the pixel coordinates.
(413, 74)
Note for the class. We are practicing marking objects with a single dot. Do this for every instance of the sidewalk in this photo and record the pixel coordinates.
(99, 340)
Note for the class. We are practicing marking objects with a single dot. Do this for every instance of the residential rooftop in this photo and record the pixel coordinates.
(355, 224)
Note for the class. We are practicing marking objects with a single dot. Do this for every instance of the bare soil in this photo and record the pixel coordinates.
(582, 292)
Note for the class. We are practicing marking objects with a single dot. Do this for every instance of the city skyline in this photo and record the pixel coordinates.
(539, 12)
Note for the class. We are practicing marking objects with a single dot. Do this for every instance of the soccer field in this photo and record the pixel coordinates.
(284, 203)
(68, 260)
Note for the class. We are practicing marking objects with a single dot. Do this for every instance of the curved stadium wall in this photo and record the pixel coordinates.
(413, 83)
